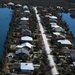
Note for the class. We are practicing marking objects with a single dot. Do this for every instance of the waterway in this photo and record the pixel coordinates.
(5, 19)
(70, 22)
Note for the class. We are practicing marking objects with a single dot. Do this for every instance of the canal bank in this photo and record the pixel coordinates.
(5, 18)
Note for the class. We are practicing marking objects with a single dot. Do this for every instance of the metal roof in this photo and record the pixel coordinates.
(26, 66)
(26, 38)
(65, 41)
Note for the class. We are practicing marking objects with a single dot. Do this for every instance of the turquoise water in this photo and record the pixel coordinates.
(70, 21)
(5, 18)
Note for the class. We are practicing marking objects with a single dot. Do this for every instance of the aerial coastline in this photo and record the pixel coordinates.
(19, 51)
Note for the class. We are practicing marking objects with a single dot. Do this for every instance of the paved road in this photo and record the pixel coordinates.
(47, 48)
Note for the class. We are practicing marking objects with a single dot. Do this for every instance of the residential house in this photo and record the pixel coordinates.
(53, 23)
(22, 22)
(22, 51)
(26, 68)
(53, 18)
(24, 19)
(10, 4)
(25, 7)
(26, 32)
(59, 35)
(26, 39)
(64, 42)
(57, 28)
(25, 13)
(25, 45)
(66, 50)
(22, 54)
(18, 5)
(20, 27)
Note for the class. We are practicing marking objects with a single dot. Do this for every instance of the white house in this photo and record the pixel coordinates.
(18, 5)
(57, 28)
(64, 42)
(53, 23)
(24, 19)
(26, 67)
(27, 44)
(57, 33)
(10, 4)
(53, 17)
(27, 11)
(26, 38)
(54, 26)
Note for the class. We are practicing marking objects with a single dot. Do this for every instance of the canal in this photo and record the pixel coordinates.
(70, 22)
(5, 18)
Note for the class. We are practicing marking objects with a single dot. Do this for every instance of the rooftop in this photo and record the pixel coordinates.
(27, 44)
(11, 3)
(24, 18)
(22, 50)
(26, 66)
(65, 41)
(27, 11)
(26, 38)
(56, 33)
(53, 17)
(54, 26)
(25, 7)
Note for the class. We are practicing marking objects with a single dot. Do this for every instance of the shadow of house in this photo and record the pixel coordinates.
(18, 5)
(25, 7)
